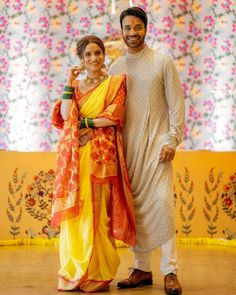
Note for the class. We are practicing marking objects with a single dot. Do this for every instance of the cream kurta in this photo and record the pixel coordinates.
(154, 117)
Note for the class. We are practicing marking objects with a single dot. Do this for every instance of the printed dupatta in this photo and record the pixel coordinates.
(107, 160)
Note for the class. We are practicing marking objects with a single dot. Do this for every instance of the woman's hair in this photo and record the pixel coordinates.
(135, 11)
(83, 42)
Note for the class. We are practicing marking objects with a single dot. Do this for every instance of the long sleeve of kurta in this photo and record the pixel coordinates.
(175, 101)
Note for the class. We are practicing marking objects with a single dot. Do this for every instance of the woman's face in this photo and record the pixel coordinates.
(93, 58)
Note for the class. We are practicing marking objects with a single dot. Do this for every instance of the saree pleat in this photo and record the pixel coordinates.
(89, 260)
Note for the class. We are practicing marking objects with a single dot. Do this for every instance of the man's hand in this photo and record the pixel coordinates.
(167, 154)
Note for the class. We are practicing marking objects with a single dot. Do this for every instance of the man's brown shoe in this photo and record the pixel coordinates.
(136, 279)
(172, 285)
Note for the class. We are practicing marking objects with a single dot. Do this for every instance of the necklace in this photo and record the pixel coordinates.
(90, 81)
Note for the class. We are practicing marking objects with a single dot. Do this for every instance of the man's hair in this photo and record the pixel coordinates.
(135, 11)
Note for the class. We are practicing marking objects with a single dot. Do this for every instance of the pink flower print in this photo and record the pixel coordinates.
(170, 40)
(183, 47)
(185, 88)
(234, 71)
(18, 46)
(3, 64)
(101, 5)
(3, 106)
(209, 21)
(72, 31)
(183, 5)
(193, 113)
(6, 82)
(4, 125)
(85, 22)
(44, 105)
(209, 62)
(226, 4)
(3, 22)
(17, 5)
(45, 63)
(29, 31)
(47, 41)
(43, 22)
(5, 41)
(144, 4)
(60, 5)
(59, 89)
(61, 46)
(111, 31)
(46, 81)
(90, 3)
(44, 146)
(194, 30)
(167, 22)
(210, 81)
(186, 130)
(227, 46)
(194, 73)
(208, 104)
(234, 27)
(154, 31)
(46, 124)
(210, 39)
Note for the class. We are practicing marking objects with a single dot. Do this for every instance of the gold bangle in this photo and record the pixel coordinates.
(67, 92)
(86, 122)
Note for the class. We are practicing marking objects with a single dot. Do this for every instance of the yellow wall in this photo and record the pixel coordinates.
(204, 185)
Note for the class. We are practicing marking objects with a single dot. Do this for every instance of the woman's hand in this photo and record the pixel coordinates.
(73, 74)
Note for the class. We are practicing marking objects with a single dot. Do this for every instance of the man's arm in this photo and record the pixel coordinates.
(175, 101)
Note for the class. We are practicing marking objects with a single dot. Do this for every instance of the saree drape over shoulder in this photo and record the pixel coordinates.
(92, 201)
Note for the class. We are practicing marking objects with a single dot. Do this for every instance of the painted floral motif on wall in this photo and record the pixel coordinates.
(228, 197)
(37, 40)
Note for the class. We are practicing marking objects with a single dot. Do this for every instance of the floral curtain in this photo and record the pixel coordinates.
(37, 41)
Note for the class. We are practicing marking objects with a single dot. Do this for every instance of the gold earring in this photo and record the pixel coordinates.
(82, 67)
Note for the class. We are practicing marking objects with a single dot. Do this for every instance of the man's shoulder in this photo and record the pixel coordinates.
(117, 66)
(118, 61)
(162, 58)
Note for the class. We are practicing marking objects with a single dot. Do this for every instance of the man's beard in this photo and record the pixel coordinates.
(139, 42)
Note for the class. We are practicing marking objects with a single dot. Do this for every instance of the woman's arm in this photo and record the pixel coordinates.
(103, 122)
(65, 108)
(67, 103)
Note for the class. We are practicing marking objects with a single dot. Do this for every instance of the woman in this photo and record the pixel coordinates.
(92, 200)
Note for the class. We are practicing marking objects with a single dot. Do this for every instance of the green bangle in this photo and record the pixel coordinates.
(67, 95)
(69, 88)
(86, 123)
(90, 122)
(82, 124)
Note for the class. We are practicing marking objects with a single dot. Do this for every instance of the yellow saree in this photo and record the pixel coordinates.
(92, 199)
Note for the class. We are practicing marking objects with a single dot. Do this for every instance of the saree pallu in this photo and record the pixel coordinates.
(92, 199)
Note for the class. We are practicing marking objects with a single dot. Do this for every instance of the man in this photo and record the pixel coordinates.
(153, 129)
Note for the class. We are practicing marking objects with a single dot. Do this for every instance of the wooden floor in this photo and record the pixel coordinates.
(32, 270)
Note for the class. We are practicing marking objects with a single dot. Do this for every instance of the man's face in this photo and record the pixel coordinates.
(133, 32)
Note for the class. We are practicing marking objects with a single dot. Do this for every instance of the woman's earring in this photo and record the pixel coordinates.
(82, 67)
